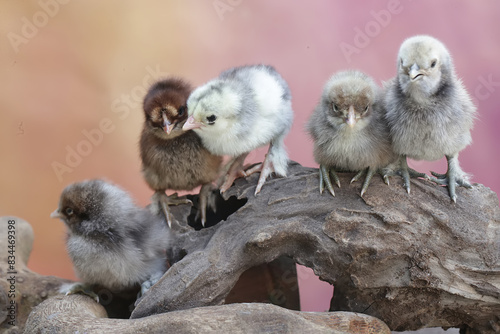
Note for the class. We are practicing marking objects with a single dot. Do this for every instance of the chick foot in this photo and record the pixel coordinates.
(265, 169)
(79, 288)
(165, 201)
(407, 173)
(146, 285)
(232, 171)
(324, 178)
(370, 171)
(453, 177)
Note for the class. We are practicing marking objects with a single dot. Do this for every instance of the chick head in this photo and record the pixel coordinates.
(422, 63)
(165, 106)
(90, 206)
(348, 98)
(213, 108)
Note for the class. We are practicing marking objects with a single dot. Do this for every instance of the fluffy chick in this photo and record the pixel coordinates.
(111, 242)
(244, 108)
(172, 158)
(348, 129)
(429, 112)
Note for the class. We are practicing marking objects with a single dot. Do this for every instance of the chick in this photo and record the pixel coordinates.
(244, 108)
(111, 242)
(429, 112)
(172, 158)
(349, 131)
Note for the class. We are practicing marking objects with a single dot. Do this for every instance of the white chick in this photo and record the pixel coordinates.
(244, 108)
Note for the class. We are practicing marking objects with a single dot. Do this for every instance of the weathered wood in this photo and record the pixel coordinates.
(82, 314)
(20, 288)
(413, 260)
(62, 314)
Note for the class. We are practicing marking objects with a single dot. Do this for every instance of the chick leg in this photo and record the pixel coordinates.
(324, 177)
(164, 201)
(404, 173)
(453, 177)
(232, 170)
(266, 169)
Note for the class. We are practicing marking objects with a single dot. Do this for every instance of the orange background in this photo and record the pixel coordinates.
(66, 66)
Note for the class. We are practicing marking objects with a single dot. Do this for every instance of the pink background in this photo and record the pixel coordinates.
(91, 61)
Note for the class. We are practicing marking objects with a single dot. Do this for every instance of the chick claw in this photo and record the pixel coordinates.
(324, 178)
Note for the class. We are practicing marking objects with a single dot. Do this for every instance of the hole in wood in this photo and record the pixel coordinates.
(223, 209)
(274, 282)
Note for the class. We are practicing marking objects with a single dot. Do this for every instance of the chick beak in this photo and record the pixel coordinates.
(191, 124)
(415, 72)
(351, 117)
(167, 126)
(56, 214)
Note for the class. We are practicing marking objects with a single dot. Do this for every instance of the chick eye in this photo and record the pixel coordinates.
(211, 119)
(69, 211)
(181, 110)
(366, 109)
(433, 64)
(335, 107)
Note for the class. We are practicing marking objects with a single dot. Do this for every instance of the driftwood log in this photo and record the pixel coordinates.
(79, 313)
(20, 288)
(413, 261)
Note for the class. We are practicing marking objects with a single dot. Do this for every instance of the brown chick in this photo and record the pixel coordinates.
(172, 158)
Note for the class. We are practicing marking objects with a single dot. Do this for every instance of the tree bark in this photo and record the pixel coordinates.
(412, 260)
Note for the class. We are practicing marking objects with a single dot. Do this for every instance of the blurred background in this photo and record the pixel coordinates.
(73, 75)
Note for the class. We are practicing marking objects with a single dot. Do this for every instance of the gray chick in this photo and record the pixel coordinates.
(429, 112)
(349, 131)
(111, 242)
(244, 108)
